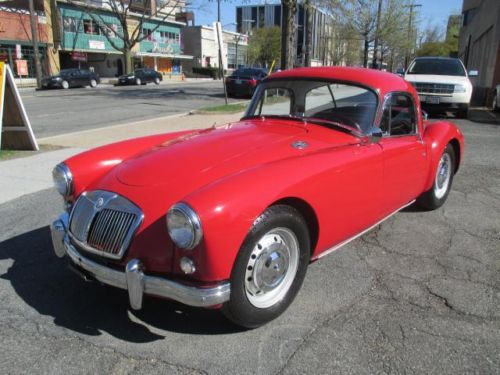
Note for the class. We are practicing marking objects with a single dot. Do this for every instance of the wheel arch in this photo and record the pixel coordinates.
(309, 215)
(458, 156)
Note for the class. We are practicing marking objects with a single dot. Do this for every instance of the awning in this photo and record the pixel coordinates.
(164, 55)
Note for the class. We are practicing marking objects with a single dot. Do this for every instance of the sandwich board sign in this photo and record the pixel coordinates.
(15, 127)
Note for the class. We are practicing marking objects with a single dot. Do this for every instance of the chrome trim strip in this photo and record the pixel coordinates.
(134, 280)
(338, 246)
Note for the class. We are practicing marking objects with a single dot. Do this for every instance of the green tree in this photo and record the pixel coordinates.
(264, 46)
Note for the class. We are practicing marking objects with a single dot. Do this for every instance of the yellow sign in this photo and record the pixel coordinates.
(15, 127)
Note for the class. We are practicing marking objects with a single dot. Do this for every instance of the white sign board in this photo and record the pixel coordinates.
(19, 54)
(96, 44)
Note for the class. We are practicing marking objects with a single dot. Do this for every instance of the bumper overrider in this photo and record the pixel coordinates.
(133, 278)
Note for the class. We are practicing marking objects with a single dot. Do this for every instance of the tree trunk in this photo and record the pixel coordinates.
(127, 55)
(288, 34)
(365, 52)
(308, 46)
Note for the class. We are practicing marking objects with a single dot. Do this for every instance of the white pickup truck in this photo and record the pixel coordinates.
(442, 83)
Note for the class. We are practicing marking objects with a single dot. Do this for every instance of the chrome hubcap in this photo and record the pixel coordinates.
(272, 267)
(443, 176)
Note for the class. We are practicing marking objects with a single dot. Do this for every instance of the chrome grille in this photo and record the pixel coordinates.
(109, 229)
(104, 223)
(82, 215)
(434, 88)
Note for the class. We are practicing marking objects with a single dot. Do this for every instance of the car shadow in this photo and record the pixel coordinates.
(46, 284)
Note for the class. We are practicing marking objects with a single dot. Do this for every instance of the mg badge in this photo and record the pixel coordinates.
(99, 203)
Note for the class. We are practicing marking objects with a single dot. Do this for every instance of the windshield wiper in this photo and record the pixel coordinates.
(338, 125)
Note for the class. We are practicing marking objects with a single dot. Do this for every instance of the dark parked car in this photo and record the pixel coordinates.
(140, 77)
(244, 81)
(72, 78)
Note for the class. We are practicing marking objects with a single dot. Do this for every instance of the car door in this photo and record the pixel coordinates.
(404, 152)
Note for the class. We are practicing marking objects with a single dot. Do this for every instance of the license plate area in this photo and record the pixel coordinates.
(432, 99)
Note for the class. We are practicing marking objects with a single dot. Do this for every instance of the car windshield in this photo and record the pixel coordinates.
(447, 67)
(323, 102)
(248, 72)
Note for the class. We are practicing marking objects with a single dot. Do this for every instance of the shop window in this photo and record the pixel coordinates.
(90, 27)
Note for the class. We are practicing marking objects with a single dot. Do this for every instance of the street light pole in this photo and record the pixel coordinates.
(220, 40)
(34, 39)
(377, 32)
(410, 39)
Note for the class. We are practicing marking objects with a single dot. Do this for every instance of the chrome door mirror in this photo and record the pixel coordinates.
(473, 73)
(375, 134)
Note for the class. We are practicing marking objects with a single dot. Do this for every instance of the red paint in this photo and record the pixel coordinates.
(230, 174)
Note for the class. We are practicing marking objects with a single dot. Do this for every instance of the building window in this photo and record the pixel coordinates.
(90, 27)
(70, 25)
(147, 34)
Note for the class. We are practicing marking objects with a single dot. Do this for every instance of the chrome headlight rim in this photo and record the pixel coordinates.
(64, 185)
(459, 88)
(194, 221)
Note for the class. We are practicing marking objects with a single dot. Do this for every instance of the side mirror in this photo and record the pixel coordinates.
(473, 73)
(425, 115)
(375, 134)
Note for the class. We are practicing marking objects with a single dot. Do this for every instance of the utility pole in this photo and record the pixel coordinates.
(221, 40)
(377, 32)
(34, 39)
(410, 39)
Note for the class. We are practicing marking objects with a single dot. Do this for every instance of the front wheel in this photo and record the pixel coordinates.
(138, 81)
(65, 85)
(436, 196)
(93, 83)
(270, 267)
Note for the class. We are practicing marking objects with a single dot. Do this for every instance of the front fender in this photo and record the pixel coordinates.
(437, 136)
(89, 166)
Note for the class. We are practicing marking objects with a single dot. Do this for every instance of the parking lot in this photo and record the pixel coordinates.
(418, 294)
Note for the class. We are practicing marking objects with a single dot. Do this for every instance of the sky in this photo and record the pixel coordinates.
(432, 11)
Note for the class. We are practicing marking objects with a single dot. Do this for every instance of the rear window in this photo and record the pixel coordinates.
(248, 72)
(445, 67)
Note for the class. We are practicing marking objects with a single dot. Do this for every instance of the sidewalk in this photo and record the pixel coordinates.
(28, 175)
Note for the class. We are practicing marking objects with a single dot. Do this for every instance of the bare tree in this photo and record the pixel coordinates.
(131, 15)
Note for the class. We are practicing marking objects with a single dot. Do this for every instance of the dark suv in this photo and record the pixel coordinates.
(243, 81)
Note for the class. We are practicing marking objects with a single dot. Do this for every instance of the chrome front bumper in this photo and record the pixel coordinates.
(133, 278)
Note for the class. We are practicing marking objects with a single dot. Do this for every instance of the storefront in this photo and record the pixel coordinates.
(84, 45)
(161, 50)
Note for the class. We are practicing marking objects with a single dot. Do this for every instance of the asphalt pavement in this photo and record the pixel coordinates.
(54, 112)
(418, 294)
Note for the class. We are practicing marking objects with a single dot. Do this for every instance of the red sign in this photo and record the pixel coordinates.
(22, 67)
(79, 56)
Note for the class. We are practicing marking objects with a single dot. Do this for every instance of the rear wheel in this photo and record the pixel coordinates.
(270, 267)
(157, 81)
(93, 83)
(436, 196)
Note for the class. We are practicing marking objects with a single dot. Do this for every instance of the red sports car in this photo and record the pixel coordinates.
(230, 217)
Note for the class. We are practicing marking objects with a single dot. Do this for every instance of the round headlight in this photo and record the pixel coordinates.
(63, 179)
(184, 226)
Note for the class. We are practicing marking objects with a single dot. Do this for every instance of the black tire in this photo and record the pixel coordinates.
(138, 81)
(157, 81)
(433, 198)
(239, 309)
(65, 85)
(93, 83)
(463, 113)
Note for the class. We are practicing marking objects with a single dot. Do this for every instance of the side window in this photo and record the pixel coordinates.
(398, 117)
(275, 101)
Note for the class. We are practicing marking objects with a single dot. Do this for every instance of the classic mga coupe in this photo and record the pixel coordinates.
(230, 217)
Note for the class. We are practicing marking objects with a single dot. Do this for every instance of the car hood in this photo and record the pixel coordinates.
(435, 78)
(207, 155)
